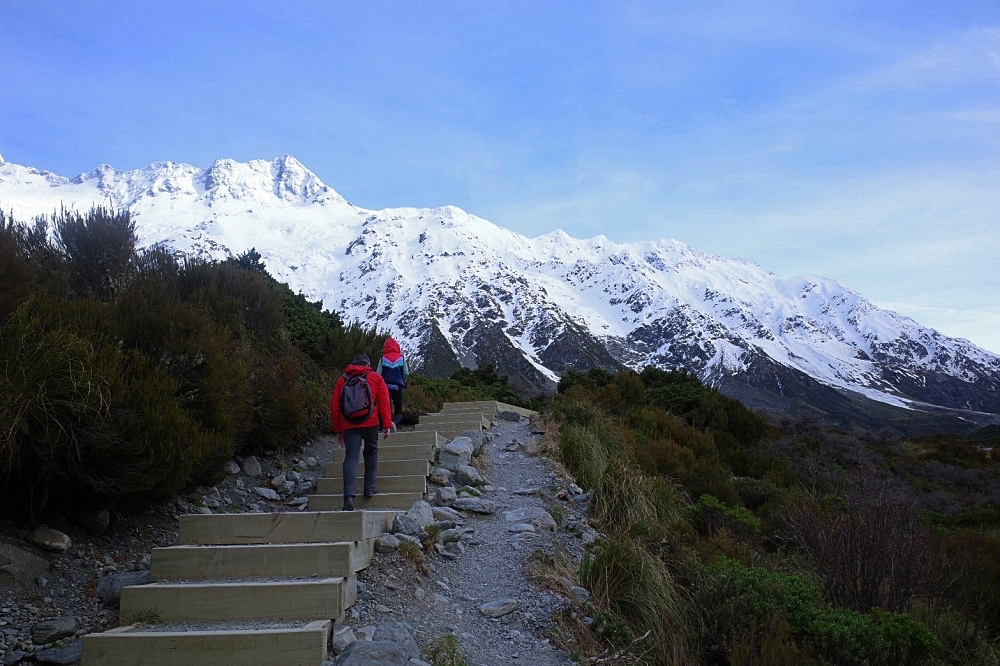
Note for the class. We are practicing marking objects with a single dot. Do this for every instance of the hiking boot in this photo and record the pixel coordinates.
(348, 503)
(372, 493)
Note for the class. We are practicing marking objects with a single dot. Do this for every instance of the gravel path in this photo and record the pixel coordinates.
(493, 567)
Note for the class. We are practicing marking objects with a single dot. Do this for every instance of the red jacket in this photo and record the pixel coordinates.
(382, 414)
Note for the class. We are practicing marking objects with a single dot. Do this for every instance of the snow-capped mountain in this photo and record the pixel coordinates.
(458, 289)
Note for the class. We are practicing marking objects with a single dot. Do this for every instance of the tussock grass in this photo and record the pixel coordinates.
(583, 453)
(637, 594)
(433, 534)
(139, 617)
(443, 651)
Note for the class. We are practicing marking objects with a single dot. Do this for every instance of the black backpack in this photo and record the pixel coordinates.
(356, 403)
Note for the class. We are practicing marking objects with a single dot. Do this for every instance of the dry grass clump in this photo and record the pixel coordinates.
(637, 594)
(443, 651)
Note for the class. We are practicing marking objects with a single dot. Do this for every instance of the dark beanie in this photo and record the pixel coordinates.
(361, 359)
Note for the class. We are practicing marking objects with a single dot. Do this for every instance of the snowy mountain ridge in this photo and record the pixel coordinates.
(458, 289)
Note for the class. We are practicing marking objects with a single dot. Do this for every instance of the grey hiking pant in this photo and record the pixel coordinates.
(352, 443)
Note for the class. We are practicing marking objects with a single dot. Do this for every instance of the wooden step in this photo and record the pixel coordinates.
(385, 468)
(450, 419)
(311, 599)
(440, 416)
(410, 437)
(408, 452)
(299, 560)
(386, 484)
(523, 411)
(452, 433)
(304, 645)
(488, 406)
(383, 500)
(223, 529)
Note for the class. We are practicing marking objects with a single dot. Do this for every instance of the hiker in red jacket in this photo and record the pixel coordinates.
(359, 408)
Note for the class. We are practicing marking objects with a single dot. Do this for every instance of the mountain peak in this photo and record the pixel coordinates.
(283, 177)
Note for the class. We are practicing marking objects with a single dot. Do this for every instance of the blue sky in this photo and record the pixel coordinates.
(854, 140)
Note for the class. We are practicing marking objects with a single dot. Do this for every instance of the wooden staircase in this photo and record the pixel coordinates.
(264, 589)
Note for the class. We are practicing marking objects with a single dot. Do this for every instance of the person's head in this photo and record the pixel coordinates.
(391, 346)
(362, 360)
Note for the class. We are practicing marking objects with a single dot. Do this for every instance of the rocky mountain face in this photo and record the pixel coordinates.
(460, 291)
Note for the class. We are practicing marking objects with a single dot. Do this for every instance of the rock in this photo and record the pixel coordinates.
(475, 505)
(513, 446)
(303, 487)
(585, 497)
(456, 453)
(446, 495)
(446, 513)
(450, 536)
(278, 481)
(387, 543)
(422, 513)
(70, 654)
(400, 633)
(419, 593)
(403, 524)
(48, 631)
(590, 535)
(531, 448)
(383, 609)
(286, 488)
(50, 539)
(439, 476)
(574, 489)
(267, 493)
(521, 527)
(526, 491)
(446, 524)
(498, 607)
(411, 539)
(109, 588)
(343, 638)
(95, 520)
(367, 633)
(13, 657)
(581, 594)
(310, 462)
(468, 475)
(251, 466)
(507, 415)
(477, 439)
(545, 523)
(374, 653)
(21, 567)
(524, 515)
(468, 491)
(231, 467)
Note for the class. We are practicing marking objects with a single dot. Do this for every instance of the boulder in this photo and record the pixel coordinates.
(468, 475)
(374, 653)
(422, 513)
(521, 527)
(19, 566)
(48, 631)
(498, 607)
(456, 453)
(251, 466)
(450, 536)
(387, 543)
(50, 539)
(446, 513)
(508, 415)
(445, 495)
(343, 636)
(545, 523)
(400, 633)
(267, 493)
(475, 505)
(109, 588)
(13, 657)
(278, 481)
(231, 467)
(439, 476)
(406, 526)
(70, 654)
(95, 520)
(477, 439)
(581, 594)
